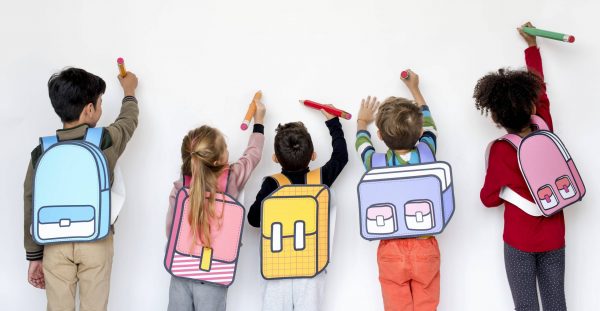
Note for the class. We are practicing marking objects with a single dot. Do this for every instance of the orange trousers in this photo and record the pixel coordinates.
(409, 273)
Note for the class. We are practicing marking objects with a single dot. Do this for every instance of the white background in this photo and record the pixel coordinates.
(200, 62)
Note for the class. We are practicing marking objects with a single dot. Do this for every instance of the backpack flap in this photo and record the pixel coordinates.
(226, 230)
(295, 220)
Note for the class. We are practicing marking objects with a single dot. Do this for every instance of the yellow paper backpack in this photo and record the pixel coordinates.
(295, 229)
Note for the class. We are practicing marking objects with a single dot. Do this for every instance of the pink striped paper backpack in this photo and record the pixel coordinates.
(547, 168)
(217, 264)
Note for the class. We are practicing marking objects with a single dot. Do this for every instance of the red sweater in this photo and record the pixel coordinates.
(522, 231)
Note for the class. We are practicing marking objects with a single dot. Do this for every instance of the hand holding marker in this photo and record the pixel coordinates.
(404, 74)
(331, 110)
(121, 64)
(251, 111)
(549, 34)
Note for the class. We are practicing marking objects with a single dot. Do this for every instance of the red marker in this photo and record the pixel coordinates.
(121, 64)
(404, 74)
(334, 111)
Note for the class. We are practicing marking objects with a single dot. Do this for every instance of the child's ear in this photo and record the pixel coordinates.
(534, 109)
(422, 131)
(379, 134)
(313, 156)
(87, 113)
(274, 158)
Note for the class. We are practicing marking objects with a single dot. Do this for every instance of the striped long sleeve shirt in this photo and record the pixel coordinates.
(365, 148)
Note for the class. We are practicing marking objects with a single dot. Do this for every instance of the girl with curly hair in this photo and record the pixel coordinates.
(534, 247)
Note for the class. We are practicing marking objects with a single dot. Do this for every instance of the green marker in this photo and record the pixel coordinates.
(549, 34)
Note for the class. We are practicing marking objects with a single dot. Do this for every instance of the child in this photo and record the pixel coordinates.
(205, 159)
(294, 151)
(76, 96)
(534, 247)
(409, 269)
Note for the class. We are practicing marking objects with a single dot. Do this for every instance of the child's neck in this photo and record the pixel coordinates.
(402, 151)
(524, 132)
(70, 125)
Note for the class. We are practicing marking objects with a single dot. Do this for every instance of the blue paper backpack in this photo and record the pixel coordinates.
(71, 193)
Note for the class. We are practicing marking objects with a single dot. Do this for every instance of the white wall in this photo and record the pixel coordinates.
(201, 61)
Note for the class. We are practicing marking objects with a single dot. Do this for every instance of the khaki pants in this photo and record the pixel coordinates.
(89, 264)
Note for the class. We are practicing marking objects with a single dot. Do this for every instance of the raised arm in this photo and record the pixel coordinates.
(533, 60)
(245, 165)
(339, 153)
(412, 83)
(122, 129)
(366, 116)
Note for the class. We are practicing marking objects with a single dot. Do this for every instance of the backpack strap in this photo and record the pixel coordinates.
(513, 139)
(48, 141)
(425, 153)
(223, 181)
(281, 180)
(314, 177)
(539, 122)
(378, 160)
(517, 200)
(93, 135)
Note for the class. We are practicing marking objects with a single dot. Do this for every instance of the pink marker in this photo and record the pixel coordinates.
(121, 64)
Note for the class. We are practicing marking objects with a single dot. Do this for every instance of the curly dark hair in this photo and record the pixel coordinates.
(510, 96)
(293, 146)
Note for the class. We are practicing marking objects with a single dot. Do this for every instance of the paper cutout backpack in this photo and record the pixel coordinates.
(71, 192)
(295, 229)
(548, 170)
(405, 201)
(216, 265)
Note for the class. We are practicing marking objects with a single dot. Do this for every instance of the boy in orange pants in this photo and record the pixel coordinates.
(409, 269)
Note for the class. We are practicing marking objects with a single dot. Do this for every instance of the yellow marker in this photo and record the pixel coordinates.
(251, 110)
(121, 64)
(206, 259)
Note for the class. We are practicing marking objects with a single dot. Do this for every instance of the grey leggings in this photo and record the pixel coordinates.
(525, 269)
(192, 295)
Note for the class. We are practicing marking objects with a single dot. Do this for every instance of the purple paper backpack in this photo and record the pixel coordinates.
(405, 201)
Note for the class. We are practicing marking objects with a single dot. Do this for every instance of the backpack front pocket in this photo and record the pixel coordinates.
(565, 187)
(57, 222)
(418, 215)
(547, 197)
(381, 219)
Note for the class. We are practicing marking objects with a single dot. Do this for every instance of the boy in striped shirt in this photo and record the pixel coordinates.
(409, 269)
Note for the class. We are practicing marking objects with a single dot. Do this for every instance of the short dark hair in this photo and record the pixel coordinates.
(293, 146)
(71, 90)
(400, 123)
(510, 96)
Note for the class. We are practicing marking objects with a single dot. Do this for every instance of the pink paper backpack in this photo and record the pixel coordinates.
(217, 264)
(547, 167)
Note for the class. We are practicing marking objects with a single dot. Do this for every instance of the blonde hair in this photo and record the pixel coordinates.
(200, 151)
(400, 123)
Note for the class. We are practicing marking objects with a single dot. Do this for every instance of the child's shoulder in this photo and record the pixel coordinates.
(503, 147)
